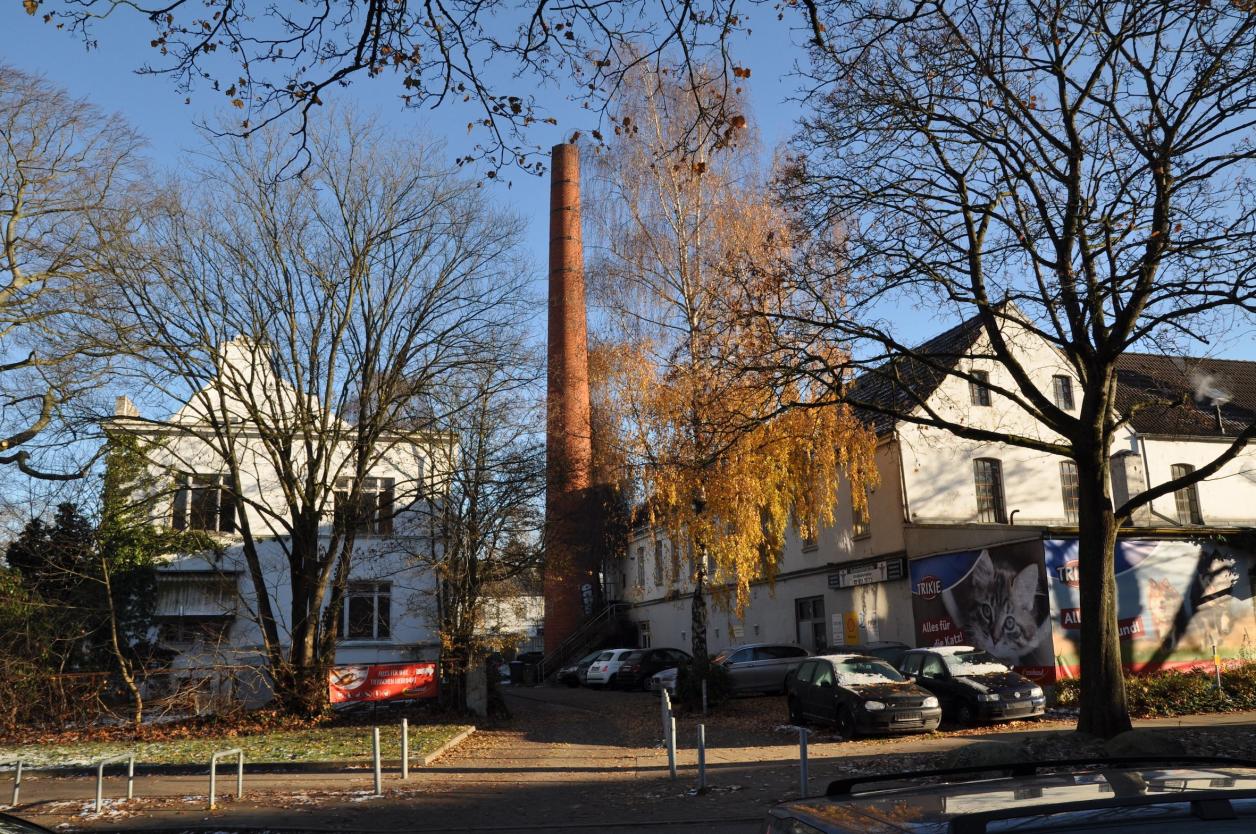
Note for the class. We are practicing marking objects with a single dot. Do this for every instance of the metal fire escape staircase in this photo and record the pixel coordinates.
(586, 638)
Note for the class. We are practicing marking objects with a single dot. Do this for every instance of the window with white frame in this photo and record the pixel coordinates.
(366, 614)
(371, 512)
(1062, 391)
(640, 567)
(979, 387)
(658, 562)
(643, 634)
(203, 502)
(988, 479)
(1069, 489)
(1187, 498)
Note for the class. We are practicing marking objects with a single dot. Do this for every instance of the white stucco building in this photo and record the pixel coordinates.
(207, 606)
(940, 494)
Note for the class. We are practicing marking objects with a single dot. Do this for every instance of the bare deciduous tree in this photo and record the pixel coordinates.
(1077, 172)
(348, 298)
(69, 178)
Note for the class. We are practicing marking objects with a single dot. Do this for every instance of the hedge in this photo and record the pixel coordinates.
(1169, 693)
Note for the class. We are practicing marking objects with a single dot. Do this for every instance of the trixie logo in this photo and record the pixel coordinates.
(929, 587)
(1067, 573)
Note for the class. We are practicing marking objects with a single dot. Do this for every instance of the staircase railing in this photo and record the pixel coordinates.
(579, 639)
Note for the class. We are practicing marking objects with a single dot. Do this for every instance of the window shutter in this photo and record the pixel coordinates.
(179, 520)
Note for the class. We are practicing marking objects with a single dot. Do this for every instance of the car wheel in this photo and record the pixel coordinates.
(610, 682)
(845, 723)
(964, 714)
(795, 714)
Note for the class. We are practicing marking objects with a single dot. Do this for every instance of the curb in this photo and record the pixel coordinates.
(447, 746)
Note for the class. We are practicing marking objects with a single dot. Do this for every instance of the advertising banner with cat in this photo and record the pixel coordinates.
(1175, 600)
(994, 599)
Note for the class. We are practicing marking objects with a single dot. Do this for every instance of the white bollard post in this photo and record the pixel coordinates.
(802, 762)
(671, 747)
(704, 698)
(17, 782)
(405, 748)
(702, 785)
(665, 708)
(1216, 665)
(379, 786)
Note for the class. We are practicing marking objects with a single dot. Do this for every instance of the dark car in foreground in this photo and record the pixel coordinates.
(859, 694)
(1105, 796)
(640, 665)
(972, 685)
(14, 825)
(573, 673)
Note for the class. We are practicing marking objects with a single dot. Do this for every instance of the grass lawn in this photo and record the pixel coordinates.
(316, 744)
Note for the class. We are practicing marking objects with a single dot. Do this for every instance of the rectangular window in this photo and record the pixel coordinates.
(203, 502)
(1187, 498)
(643, 634)
(812, 628)
(675, 554)
(1062, 391)
(1068, 487)
(658, 563)
(988, 476)
(640, 567)
(367, 612)
(371, 514)
(978, 388)
(188, 631)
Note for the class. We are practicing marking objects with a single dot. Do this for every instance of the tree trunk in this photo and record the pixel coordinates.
(698, 622)
(1104, 712)
(115, 644)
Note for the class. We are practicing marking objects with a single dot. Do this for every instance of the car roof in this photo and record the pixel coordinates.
(1086, 791)
(838, 658)
(741, 646)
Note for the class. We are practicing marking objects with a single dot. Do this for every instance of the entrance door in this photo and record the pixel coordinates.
(813, 630)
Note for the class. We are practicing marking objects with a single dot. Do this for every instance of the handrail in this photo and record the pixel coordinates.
(17, 778)
(129, 758)
(583, 631)
(213, 773)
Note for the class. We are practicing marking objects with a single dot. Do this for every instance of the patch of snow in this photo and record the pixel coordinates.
(861, 679)
(945, 650)
(960, 669)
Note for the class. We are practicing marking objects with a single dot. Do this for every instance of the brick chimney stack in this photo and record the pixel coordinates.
(571, 576)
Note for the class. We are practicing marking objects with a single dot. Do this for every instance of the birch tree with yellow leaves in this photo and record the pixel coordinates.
(721, 468)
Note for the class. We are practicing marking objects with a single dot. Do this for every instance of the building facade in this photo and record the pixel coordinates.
(962, 537)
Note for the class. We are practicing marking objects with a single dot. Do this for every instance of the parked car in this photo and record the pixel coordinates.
(640, 665)
(1208, 796)
(604, 670)
(760, 667)
(573, 673)
(859, 694)
(663, 680)
(15, 825)
(890, 651)
(972, 685)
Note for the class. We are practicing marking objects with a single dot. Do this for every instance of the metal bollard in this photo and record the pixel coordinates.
(405, 749)
(665, 709)
(379, 781)
(702, 785)
(1216, 665)
(671, 747)
(704, 698)
(17, 778)
(129, 758)
(213, 774)
(802, 761)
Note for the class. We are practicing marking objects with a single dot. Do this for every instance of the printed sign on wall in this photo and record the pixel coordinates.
(382, 682)
(1175, 599)
(994, 599)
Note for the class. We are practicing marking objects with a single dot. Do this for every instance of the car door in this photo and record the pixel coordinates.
(770, 665)
(740, 666)
(934, 677)
(822, 704)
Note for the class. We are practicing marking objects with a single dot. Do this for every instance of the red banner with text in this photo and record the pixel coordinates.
(382, 682)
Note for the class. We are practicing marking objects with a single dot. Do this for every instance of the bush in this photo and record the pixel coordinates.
(1168, 693)
(689, 686)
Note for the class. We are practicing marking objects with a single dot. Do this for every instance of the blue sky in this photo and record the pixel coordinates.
(107, 76)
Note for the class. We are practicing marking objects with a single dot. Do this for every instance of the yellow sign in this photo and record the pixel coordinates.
(852, 628)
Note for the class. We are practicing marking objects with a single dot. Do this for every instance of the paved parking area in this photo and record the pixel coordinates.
(570, 760)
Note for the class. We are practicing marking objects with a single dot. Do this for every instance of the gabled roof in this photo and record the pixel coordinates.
(1179, 395)
(900, 383)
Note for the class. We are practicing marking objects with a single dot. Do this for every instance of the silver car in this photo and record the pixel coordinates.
(760, 667)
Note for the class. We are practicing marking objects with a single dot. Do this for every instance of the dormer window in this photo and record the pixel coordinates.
(203, 502)
(979, 388)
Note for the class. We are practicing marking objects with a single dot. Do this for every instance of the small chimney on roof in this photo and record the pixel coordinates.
(123, 407)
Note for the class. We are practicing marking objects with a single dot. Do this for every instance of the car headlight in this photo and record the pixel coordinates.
(1036, 692)
(930, 702)
(987, 696)
(873, 706)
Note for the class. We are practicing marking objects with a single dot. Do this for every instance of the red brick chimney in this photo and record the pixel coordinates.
(571, 557)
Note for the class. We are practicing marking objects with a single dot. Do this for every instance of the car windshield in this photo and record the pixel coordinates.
(866, 670)
(961, 664)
